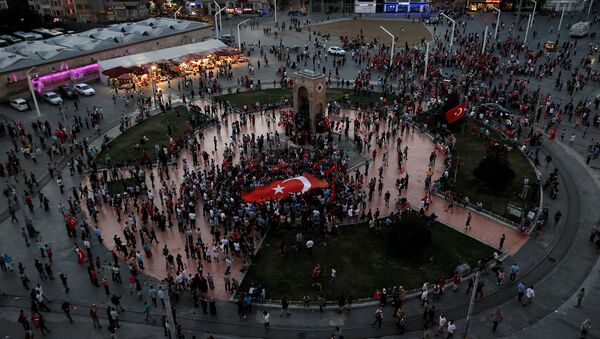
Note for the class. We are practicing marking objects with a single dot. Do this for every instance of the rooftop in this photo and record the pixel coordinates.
(32, 53)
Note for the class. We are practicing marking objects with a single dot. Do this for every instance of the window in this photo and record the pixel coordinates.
(78, 6)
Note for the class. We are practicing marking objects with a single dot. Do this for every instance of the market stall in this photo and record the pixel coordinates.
(160, 65)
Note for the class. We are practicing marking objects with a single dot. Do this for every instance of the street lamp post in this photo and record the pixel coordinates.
(216, 19)
(453, 26)
(238, 31)
(527, 29)
(533, 14)
(561, 17)
(177, 12)
(497, 21)
(393, 41)
(426, 61)
(37, 107)
(275, 9)
(485, 34)
(471, 303)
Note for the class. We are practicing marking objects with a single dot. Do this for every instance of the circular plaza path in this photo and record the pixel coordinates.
(420, 146)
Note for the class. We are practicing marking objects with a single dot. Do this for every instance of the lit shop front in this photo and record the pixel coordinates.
(405, 7)
(484, 5)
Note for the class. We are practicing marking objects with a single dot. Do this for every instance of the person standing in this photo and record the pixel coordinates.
(442, 322)
(94, 316)
(378, 316)
(212, 306)
(105, 285)
(284, 307)
(63, 279)
(502, 239)
(496, 319)
(266, 320)
(468, 223)
(580, 296)
(514, 270)
(23, 320)
(520, 292)
(529, 295)
(451, 329)
(66, 307)
(38, 322)
(147, 310)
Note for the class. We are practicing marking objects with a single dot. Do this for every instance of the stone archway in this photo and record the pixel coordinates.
(302, 118)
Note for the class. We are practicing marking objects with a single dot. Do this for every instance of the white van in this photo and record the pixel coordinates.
(580, 29)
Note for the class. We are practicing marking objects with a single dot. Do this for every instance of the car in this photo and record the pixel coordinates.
(52, 98)
(336, 50)
(580, 29)
(84, 89)
(296, 13)
(19, 104)
(432, 20)
(227, 39)
(68, 92)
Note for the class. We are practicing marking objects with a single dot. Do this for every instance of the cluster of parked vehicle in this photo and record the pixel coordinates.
(67, 91)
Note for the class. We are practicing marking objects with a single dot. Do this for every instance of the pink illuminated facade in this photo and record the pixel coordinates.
(72, 75)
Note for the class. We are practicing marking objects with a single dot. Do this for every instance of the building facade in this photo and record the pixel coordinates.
(92, 10)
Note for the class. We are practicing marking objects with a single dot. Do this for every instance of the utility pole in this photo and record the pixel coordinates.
(497, 21)
(426, 60)
(485, 34)
(562, 15)
(453, 27)
(519, 14)
(471, 303)
(393, 41)
(37, 107)
(169, 312)
(238, 31)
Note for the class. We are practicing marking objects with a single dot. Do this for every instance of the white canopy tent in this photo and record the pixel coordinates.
(158, 55)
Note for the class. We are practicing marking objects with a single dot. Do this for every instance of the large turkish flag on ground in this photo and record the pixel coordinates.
(284, 188)
(456, 112)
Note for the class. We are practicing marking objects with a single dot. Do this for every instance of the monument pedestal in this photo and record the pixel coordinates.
(310, 102)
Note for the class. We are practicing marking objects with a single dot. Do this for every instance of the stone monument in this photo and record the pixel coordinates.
(310, 102)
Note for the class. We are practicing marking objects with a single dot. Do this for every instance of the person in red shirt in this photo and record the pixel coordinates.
(94, 316)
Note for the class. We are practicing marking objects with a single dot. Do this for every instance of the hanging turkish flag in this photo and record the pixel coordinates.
(456, 112)
(284, 188)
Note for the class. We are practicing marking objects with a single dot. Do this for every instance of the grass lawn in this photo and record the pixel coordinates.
(361, 261)
(119, 186)
(121, 149)
(470, 152)
(267, 96)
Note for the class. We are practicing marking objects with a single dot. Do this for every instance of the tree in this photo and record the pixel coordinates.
(494, 170)
(408, 236)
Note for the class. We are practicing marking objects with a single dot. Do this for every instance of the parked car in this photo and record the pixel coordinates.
(336, 50)
(580, 29)
(52, 98)
(227, 39)
(68, 92)
(84, 89)
(19, 104)
(10, 39)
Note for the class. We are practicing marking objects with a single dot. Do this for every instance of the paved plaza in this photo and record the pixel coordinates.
(558, 261)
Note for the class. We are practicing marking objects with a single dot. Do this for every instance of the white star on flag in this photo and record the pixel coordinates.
(278, 189)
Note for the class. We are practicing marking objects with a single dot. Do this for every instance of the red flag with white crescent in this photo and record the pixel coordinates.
(456, 112)
(284, 188)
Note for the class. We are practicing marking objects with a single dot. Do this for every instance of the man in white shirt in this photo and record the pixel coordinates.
(451, 329)
(529, 295)
(309, 246)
